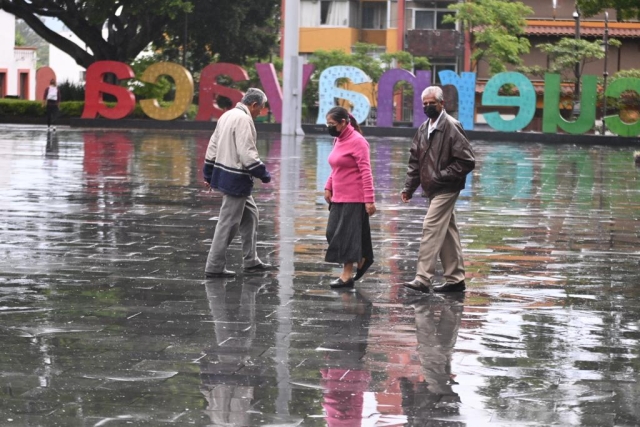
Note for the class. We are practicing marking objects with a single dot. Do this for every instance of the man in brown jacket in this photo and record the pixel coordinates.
(440, 159)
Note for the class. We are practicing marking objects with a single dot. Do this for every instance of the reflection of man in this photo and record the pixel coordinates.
(228, 394)
(437, 325)
(231, 163)
(441, 157)
(346, 383)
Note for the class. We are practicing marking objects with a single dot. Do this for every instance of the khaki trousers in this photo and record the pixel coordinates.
(440, 236)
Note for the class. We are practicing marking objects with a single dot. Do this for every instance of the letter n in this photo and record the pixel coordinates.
(385, 94)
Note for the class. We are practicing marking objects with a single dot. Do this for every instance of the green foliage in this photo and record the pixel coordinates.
(19, 107)
(128, 27)
(230, 32)
(145, 90)
(71, 108)
(628, 99)
(625, 9)
(565, 54)
(71, 91)
(20, 40)
(497, 28)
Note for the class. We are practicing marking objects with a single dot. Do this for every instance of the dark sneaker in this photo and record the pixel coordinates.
(339, 283)
(450, 287)
(416, 285)
(223, 273)
(260, 268)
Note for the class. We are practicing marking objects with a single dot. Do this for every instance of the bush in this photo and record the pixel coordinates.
(71, 108)
(22, 108)
(71, 92)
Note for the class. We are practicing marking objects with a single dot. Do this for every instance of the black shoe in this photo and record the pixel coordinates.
(339, 283)
(259, 268)
(450, 287)
(223, 273)
(365, 266)
(416, 285)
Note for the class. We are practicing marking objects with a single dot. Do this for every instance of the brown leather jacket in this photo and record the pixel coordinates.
(439, 164)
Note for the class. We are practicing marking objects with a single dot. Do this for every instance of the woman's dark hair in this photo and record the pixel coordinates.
(339, 114)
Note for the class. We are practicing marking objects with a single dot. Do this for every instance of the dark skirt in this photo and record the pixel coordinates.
(348, 234)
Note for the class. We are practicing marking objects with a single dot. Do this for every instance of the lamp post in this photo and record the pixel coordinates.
(576, 91)
(605, 74)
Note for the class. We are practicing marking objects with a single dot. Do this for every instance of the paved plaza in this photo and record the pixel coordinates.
(106, 318)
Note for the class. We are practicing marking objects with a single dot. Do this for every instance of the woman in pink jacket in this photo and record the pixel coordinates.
(350, 194)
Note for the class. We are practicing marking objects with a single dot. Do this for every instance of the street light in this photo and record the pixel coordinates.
(576, 91)
(605, 74)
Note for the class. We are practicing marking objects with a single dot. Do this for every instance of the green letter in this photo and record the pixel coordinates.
(551, 118)
(614, 123)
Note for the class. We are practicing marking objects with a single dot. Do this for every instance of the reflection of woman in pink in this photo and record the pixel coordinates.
(346, 384)
(350, 194)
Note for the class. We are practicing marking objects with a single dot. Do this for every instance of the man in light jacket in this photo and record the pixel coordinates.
(231, 163)
(439, 161)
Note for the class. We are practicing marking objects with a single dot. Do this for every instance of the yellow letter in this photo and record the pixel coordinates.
(184, 91)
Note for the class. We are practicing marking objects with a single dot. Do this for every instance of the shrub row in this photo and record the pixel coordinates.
(22, 108)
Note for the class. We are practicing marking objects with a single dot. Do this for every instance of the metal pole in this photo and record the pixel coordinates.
(292, 81)
(576, 92)
(184, 42)
(605, 74)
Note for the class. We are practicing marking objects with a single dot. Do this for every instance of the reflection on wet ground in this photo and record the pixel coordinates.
(106, 319)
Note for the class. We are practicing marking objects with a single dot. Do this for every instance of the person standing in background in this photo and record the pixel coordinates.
(52, 98)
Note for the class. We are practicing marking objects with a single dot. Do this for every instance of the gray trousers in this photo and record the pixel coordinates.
(440, 236)
(236, 214)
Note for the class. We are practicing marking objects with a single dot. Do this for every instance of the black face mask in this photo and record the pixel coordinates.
(431, 111)
(333, 131)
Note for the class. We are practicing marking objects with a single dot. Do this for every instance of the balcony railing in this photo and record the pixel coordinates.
(433, 43)
(24, 56)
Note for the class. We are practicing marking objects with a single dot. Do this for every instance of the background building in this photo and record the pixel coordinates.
(65, 67)
(17, 63)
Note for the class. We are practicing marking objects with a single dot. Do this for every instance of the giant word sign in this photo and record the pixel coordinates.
(330, 90)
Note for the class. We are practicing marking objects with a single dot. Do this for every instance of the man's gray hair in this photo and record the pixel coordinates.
(433, 90)
(254, 95)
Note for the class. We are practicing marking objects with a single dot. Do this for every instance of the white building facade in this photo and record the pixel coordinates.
(17, 64)
(65, 67)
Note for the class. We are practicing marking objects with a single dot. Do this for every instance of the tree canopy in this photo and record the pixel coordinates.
(119, 30)
(565, 54)
(128, 27)
(497, 28)
(227, 32)
(625, 9)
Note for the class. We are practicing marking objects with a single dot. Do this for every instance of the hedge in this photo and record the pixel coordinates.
(22, 108)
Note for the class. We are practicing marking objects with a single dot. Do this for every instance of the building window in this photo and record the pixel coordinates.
(431, 19)
(3, 85)
(436, 68)
(334, 13)
(374, 15)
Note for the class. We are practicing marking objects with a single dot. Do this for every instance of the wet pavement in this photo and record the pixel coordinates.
(106, 318)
